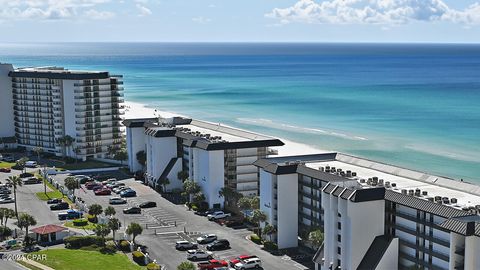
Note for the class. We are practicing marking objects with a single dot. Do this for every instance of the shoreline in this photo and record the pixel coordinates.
(291, 148)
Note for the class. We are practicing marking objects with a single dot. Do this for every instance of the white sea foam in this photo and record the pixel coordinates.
(456, 154)
(271, 124)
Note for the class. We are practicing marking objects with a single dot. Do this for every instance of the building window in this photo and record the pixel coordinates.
(339, 262)
(339, 215)
(339, 250)
(339, 226)
(339, 238)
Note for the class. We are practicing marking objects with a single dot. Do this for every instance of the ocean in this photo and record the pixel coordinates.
(412, 105)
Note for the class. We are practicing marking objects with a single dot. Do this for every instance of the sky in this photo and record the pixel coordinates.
(437, 21)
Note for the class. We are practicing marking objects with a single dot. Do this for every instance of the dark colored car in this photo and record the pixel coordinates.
(54, 201)
(60, 206)
(132, 210)
(128, 193)
(206, 213)
(70, 214)
(148, 205)
(219, 244)
(6, 170)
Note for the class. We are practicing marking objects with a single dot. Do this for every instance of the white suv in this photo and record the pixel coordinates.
(196, 254)
(249, 264)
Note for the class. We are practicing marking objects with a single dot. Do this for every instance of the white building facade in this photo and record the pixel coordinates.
(212, 155)
(46, 104)
(373, 215)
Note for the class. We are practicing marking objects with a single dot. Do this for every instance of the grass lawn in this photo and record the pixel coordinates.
(4, 164)
(53, 194)
(90, 226)
(66, 259)
(87, 165)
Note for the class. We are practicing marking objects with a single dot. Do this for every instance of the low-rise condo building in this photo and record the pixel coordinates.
(41, 106)
(213, 155)
(374, 215)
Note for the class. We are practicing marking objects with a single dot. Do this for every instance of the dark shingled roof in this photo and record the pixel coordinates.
(66, 75)
(139, 122)
(375, 252)
(424, 205)
(346, 194)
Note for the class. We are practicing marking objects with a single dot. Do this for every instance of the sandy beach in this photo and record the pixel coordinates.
(138, 110)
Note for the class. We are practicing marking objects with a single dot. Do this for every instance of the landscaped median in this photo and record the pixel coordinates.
(68, 259)
(53, 194)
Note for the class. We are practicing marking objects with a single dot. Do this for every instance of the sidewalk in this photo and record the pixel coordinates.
(37, 264)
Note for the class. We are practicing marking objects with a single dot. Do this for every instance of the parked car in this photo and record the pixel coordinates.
(207, 238)
(98, 187)
(235, 221)
(31, 164)
(70, 214)
(6, 200)
(132, 210)
(249, 264)
(109, 181)
(31, 181)
(206, 213)
(115, 185)
(128, 193)
(5, 191)
(212, 264)
(117, 200)
(219, 245)
(218, 215)
(185, 245)
(82, 179)
(148, 204)
(54, 201)
(60, 206)
(120, 189)
(104, 191)
(240, 259)
(5, 170)
(196, 254)
(91, 185)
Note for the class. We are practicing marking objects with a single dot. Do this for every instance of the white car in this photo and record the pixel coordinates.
(117, 200)
(249, 264)
(196, 254)
(120, 189)
(218, 215)
(185, 245)
(31, 164)
(207, 238)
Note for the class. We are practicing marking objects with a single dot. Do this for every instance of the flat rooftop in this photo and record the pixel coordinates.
(202, 134)
(466, 194)
(53, 72)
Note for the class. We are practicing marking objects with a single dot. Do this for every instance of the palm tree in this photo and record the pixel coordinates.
(190, 187)
(38, 150)
(316, 238)
(198, 197)
(268, 230)
(95, 210)
(102, 230)
(21, 163)
(5, 232)
(114, 225)
(25, 221)
(109, 211)
(7, 214)
(258, 217)
(69, 140)
(182, 175)
(71, 183)
(142, 158)
(121, 155)
(15, 182)
(61, 141)
(77, 150)
(134, 229)
(231, 196)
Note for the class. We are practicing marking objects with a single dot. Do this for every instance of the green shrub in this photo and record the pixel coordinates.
(90, 248)
(75, 242)
(269, 245)
(256, 239)
(109, 248)
(153, 266)
(138, 257)
(92, 218)
(194, 207)
(124, 245)
(80, 222)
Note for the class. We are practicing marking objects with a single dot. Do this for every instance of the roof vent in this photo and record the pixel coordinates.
(430, 199)
(349, 173)
(424, 193)
(453, 200)
(411, 192)
(387, 184)
(417, 192)
(321, 169)
(394, 184)
(404, 191)
(445, 200)
(362, 180)
(354, 174)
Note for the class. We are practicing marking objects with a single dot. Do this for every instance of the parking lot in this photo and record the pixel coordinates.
(168, 223)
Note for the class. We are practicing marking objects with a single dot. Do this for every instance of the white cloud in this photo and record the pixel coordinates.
(201, 20)
(52, 9)
(374, 12)
(144, 11)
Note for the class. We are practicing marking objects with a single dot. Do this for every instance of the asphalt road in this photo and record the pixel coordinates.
(168, 223)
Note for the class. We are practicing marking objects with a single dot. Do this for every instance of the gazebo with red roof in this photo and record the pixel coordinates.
(50, 234)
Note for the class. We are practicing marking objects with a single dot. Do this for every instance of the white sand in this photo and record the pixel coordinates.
(138, 110)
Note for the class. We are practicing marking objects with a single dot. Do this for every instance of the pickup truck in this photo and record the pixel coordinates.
(218, 215)
(212, 264)
(70, 214)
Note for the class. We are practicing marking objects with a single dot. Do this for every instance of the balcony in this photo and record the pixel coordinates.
(98, 83)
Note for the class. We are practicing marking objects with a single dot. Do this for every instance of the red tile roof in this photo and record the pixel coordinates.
(47, 229)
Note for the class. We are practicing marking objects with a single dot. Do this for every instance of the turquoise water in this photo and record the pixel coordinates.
(412, 105)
